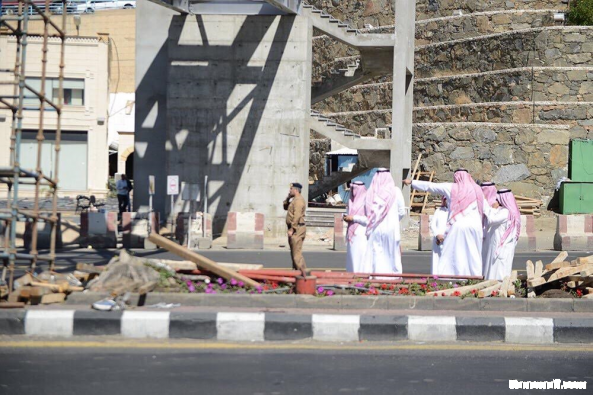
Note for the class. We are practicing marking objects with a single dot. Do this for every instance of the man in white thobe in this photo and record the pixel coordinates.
(385, 208)
(462, 247)
(503, 224)
(356, 238)
(438, 227)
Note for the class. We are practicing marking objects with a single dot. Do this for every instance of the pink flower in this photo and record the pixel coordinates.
(259, 289)
(241, 284)
(319, 289)
(220, 280)
(329, 293)
(359, 285)
(434, 285)
(455, 285)
(233, 281)
(223, 286)
(435, 277)
(191, 288)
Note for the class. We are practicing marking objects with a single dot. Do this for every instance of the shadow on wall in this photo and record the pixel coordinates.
(216, 95)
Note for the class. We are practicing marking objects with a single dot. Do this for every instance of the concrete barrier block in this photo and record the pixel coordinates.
(340, 232)
(199, 239)
(98, 230)
(424, 235)
(574, 233)
(527, 239)
(135, 228)
(43, 233)
(245, 230)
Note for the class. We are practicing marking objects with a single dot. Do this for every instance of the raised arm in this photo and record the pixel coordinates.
(437, 188)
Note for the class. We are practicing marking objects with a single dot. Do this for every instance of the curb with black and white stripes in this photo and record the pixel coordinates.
(227, 326)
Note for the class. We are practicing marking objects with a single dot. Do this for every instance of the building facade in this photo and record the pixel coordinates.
(83, 165)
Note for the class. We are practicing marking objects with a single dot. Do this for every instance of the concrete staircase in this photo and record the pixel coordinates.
(376, 54)
(322, 217)
(344, 33)
(344, 136)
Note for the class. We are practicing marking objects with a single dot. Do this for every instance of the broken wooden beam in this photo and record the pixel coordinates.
(200, 260)
(488, 290)
(465, 289)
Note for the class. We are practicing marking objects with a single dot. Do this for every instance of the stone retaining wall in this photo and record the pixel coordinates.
(578, 116)
(526, 158)
(443, 8)
(317, 150)
(472, 25)
(525, 84)
(549, 46)
(546, 84)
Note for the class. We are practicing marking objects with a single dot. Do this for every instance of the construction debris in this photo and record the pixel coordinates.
(126, 274)
(529, 206)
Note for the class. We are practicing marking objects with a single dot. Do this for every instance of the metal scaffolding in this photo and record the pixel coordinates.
(15, 176)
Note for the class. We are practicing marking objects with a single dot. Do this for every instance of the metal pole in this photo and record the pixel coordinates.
(57, 147)
(205, 213)
(17, 142)
(40, 140)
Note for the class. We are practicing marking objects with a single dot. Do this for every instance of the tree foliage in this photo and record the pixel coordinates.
(581, 13)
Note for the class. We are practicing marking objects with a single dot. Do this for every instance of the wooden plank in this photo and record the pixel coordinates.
(561, 257)
(27, 279)
(12, 305)
(557, 265)
(585, 259)
(505, 286)
(511, 290)
(40, 291)
(557, 275)
(539, 269)
(200, 260)
(488, 291)
(464, 290)
(530, 270)
(61, 287)
(88, 268)
(53, 298)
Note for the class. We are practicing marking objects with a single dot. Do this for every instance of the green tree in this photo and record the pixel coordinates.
(581, 13)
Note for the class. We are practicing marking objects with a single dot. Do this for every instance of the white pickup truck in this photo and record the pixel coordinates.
(89, 6)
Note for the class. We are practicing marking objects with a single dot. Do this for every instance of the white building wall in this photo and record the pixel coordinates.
(85, 58)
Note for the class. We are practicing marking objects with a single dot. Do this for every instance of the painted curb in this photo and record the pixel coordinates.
(258, 327)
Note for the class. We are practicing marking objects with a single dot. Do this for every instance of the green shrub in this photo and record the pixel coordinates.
(581, 13)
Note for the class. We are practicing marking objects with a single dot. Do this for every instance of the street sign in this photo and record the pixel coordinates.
(172, 185)
(151, 185)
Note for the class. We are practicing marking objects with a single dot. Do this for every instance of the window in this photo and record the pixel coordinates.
(73, 91)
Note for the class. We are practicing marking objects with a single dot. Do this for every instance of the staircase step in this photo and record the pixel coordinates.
(316, 11)
(341, 24)
(350, 30)
(307, 6)
(325, 16)
(334, 20)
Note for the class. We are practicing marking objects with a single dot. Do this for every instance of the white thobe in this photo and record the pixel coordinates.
(383, 254)
(438, 226)
(498, 261)
(462, 249)
(356, 249)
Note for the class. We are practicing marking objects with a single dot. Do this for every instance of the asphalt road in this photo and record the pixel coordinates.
(259, 370)
(413, 261)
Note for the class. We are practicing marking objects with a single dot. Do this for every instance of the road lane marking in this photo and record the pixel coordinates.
(267, 346)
